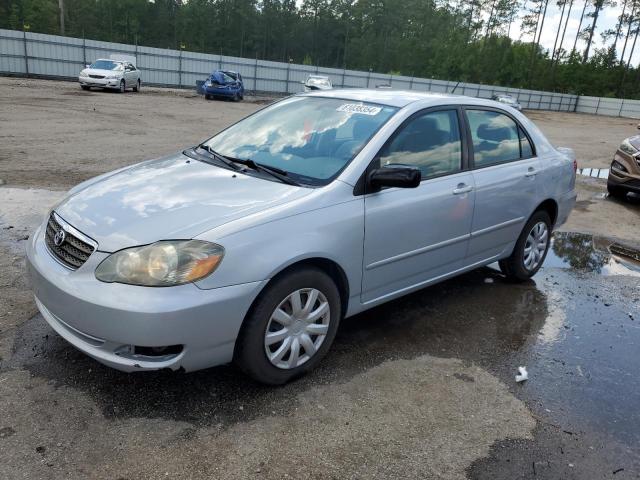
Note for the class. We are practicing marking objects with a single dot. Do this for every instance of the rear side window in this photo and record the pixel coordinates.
(430, 142)
(496, 138)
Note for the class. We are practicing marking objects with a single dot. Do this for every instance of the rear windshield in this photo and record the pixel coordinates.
(311, 138)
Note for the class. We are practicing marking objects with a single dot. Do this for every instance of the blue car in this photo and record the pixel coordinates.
(224, 83)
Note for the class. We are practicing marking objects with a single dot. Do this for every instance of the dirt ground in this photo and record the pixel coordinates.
(422, 387)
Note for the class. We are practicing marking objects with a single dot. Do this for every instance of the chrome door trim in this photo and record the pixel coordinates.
(418, 251)
(490, 229)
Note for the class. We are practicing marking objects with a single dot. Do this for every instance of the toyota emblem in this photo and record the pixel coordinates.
(59, 238)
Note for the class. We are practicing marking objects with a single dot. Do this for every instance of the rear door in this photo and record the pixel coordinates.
(414, 235)
(505, 168)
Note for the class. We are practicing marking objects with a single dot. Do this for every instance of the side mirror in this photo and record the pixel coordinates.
(400, 177)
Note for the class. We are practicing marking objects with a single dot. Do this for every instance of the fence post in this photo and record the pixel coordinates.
(621, 107)
(84, 51)
(598, 105)
(180, 68)
(344, 71)
(368, 78)
(286, 88)
(411, 83)
(136, 50)
(255, 76)
(26, 56)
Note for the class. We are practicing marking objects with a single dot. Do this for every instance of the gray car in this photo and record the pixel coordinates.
(252, 246)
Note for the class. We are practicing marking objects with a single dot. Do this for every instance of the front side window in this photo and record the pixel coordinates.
(496, 138)
(430, 142)
(311, 138)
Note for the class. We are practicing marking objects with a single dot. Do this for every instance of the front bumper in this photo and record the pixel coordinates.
(627, 181)
(221, 92)
(99, 82)
(108, 320)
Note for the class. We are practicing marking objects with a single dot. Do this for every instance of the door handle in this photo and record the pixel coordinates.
(462, 188)
(531, 172)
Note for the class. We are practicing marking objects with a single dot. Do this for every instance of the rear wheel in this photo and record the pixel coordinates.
(122, 86)
(530, 250)
(616, 191)
(137, 86)
(290, 327)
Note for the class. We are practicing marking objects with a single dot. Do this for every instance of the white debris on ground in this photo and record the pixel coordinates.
(522, 374)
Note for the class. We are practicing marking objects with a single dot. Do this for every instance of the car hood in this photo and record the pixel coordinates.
(635, 141)
(170, 198)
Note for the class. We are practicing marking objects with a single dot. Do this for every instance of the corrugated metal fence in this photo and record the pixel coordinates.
(36, 54)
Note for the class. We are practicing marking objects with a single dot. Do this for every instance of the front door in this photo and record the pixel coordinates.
(416, 235)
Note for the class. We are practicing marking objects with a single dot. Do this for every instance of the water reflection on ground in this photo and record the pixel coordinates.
(592, 254)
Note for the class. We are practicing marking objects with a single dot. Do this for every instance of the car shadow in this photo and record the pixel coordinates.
(476, 317)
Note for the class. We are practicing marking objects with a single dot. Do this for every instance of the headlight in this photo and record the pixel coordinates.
(161, 264)
(627, 148)
(111, 77)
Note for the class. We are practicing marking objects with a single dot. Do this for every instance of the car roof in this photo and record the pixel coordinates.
(392, 98)
(110, 60)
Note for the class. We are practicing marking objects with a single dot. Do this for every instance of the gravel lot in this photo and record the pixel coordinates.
(419, 388)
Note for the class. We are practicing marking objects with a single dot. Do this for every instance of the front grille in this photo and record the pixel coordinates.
(72, 252)
(96, 76)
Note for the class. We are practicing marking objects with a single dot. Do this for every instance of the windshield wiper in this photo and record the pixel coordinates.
(275, 172)
(227, 161)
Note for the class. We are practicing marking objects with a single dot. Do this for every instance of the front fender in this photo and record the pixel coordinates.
(334, 232)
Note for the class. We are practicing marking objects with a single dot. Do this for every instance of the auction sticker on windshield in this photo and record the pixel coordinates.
(358, 108)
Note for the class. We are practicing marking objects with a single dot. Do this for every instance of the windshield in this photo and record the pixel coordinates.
(317, 81)
(310, 138)
(105, 65)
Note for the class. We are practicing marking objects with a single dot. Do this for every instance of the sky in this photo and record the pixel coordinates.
(607, 20)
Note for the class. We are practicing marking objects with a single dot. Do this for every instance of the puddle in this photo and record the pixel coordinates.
(592, 254)
(594, 172)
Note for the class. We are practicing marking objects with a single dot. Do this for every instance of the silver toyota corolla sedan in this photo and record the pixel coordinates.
(252, 246)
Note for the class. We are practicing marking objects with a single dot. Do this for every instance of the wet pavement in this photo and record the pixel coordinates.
(576, 327)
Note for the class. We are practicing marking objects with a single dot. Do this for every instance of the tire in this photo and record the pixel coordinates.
(252, 347)
(137, 87)
(515, 267)
(122, 86)
(207, 96)
(616, 191)
(84, 87)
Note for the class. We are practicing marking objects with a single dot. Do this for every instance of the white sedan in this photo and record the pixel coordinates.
(113, 74)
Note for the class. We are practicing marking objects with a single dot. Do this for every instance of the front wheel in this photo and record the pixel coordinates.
(530, 250)
(290, 327)
(122, 86)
